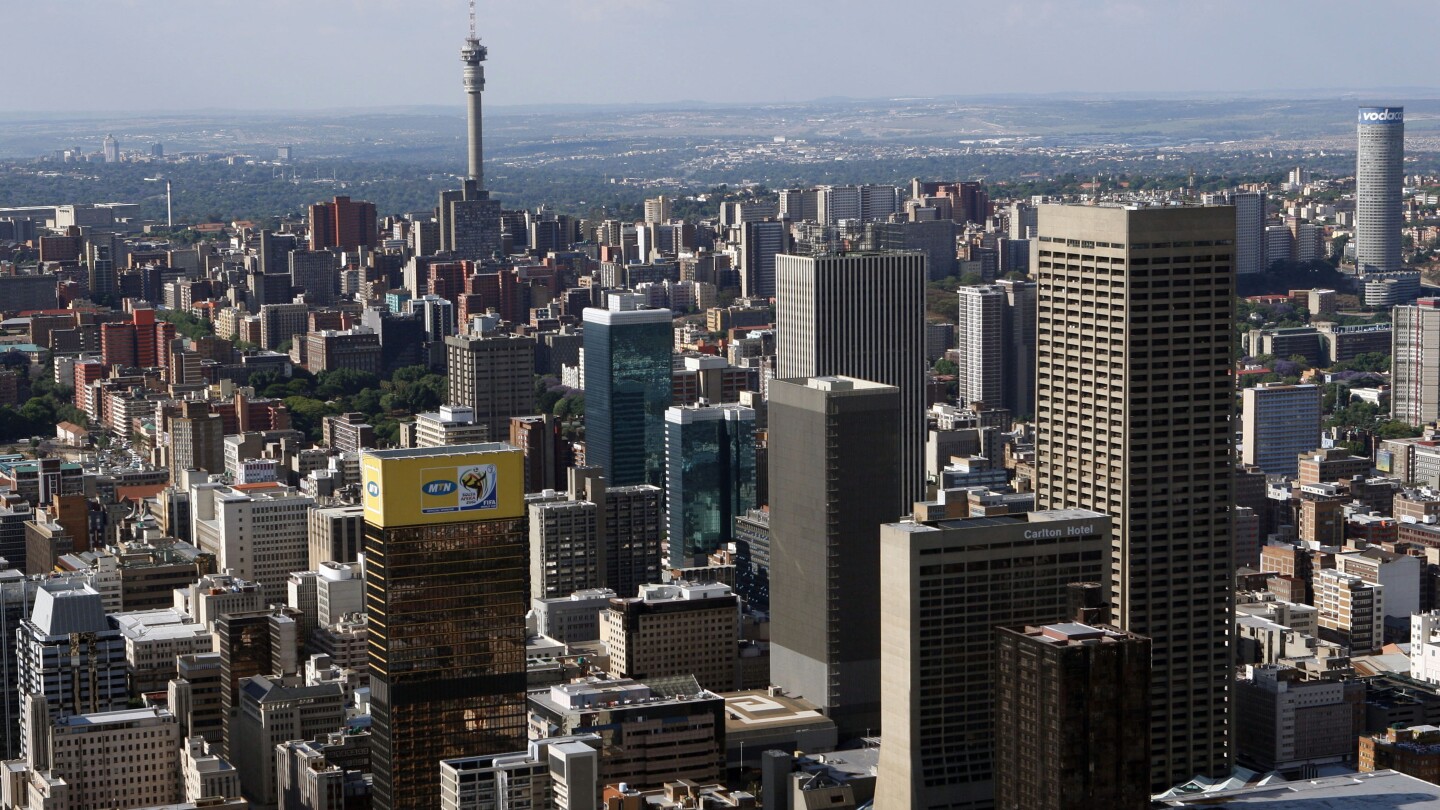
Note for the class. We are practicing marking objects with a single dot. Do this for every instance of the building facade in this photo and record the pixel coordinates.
(1114, 436)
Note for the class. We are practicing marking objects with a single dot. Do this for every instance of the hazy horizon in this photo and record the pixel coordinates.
(177, 56)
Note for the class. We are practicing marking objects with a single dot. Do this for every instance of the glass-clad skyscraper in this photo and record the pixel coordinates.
(709, 477)
(627, 389)
(446, 590)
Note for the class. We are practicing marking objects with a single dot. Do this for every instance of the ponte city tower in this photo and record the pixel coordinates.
(1379, 177)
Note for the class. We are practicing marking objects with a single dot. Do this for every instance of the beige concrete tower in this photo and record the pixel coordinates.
(1134, 400)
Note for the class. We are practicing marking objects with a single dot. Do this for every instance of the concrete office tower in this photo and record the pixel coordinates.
(942, 589)
(71, 661)
(334, 534)
(197, 440)
(120, 758)
(834, 461)
(1018, 333)
(709, 477)
(1278, 423)
(1072, 717)
(447, 590)
(566, 548)
(627, 389)
(494, 375)
(675, 631)
(979, 330)
(760, 243)
(1415, 358)
(1114, 434)
(657, 210)
(257, 532)
(1379, 180)
(860, 315)
(1250, 233)
(110, 148)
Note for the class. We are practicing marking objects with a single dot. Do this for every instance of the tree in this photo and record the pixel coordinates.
(945, 367)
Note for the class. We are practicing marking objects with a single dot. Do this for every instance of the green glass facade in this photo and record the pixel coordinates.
(627, 389)
(709, 477)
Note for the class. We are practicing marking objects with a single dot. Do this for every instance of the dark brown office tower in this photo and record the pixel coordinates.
(1072, 718)
(446, 589)
(342, 223)
(1134, 405)
(258, 642)
(538, 437)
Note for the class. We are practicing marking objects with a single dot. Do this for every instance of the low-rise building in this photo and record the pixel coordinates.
(652, 733)
(675, 630)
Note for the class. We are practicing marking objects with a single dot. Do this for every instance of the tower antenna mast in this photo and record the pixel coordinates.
(472, 19)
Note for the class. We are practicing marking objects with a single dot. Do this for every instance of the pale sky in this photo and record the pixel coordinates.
(110, 55)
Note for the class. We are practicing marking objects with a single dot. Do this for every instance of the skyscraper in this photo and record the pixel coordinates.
(1415, 353)
(1250, 233)
(111, 149)
(343, 223)
(860, 315)
(1379, 177)
(1018, 332)
(760, 243)
(1134, 396)
(1278, 423)
(834, 460)
(446, 594)
(494, 375)
(980, 360)
(627, 389)
(709, 477)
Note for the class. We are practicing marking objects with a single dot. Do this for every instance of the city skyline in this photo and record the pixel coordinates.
(581, 40)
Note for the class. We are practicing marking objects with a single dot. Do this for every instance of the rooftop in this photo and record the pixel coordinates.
(1381, 790)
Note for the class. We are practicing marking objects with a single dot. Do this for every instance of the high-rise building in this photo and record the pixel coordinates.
(943, 588)
(1379, 184)
(981, 348)
(1278, 423)
(860, 315)
(197, 440)
(558, 773)
(566, 548)
(343, 223)
(1115, 435)
(1250, 232)
(71, 661)
(1415, 359)
(110, 149)
(494, 375)
(760, 243)
(1072, 718)
(834, 460)
(257, 531)
(447, 591)
(1018, 334)
(709, 477)
(627, 389)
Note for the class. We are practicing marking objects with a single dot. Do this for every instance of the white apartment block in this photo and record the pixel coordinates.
(256, 531)
(561, 773)
(1278, 423)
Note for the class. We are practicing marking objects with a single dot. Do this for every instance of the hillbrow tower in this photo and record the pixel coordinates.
(1379, 177)
(473, 57)
(469, 219)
